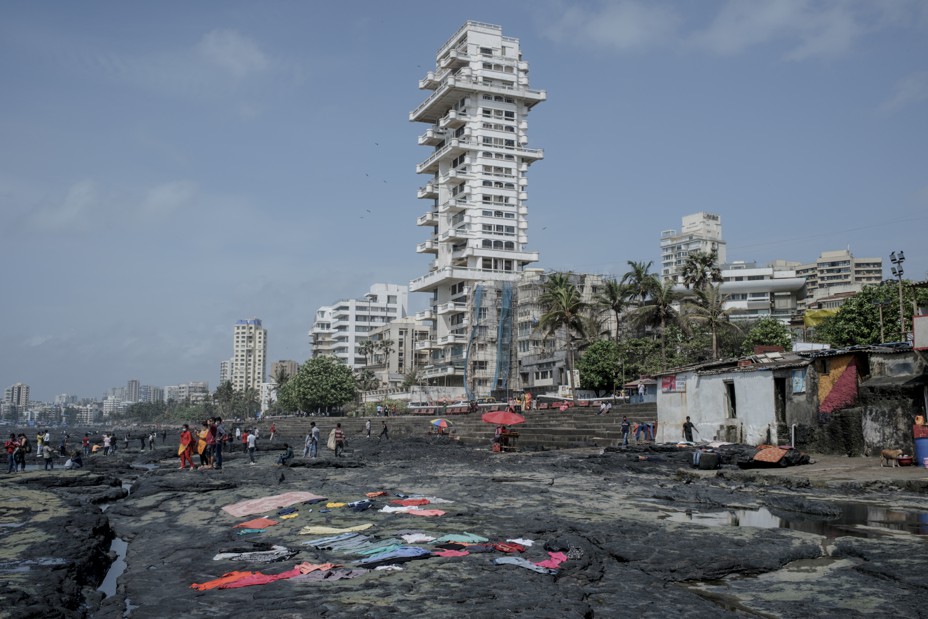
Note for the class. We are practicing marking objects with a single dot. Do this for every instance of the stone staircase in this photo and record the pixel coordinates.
(548, 429)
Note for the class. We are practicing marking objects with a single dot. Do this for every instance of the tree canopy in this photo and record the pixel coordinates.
(599, 366)
(767, 332)
(321, 383)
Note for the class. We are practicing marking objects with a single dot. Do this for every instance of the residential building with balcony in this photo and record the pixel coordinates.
(400, 358)
(838, 275)
(752, 292)
(249, 354)
(700, 232)
(476, 183)
(17, 395)
(340, 329)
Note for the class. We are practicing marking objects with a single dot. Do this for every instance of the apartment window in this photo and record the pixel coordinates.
(486, 51)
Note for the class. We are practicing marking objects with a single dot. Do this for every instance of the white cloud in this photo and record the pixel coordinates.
(73, 212)
(808, 28)
(232, 52)
(911, 90)
(622, 26)
(161, 201)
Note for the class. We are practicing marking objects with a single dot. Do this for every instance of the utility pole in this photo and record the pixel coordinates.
(897, 260)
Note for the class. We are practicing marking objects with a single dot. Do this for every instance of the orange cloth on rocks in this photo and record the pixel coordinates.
(770, 455)
(224, 579)
(373, 495)
(410, 502)
(257, 523)
(424, 512)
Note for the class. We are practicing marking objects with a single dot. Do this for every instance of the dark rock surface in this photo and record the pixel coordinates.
(633, 521)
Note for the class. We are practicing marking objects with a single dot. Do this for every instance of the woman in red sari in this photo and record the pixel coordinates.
(183, 451)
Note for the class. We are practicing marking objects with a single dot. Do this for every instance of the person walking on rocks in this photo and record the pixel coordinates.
(11, 446)
(221, 437)
(107, 444)
(367, 427)
(151, 440)
(339, 440)
(384, 433)
(314, 439)
(238, 438)
(85, 444)
(49, 455)
(273, 431)
(688, 427)
(252, 445)
(626, 426)
(39, 440)
(184, 449)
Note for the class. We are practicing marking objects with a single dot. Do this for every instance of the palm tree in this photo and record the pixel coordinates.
(639, 281)
(366, 380)
(659, 312)
(563, 310)
(613, 297)
(385, 347)
(709, 310)
(367, 348)
(701, 269)
(280, 377)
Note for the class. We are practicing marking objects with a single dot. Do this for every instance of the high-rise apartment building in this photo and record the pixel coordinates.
(17, 395)
(700, 232)
(340, 329)
(839, 273)
(476, 185)
(249, 355)
(289, 368)
(132, 390)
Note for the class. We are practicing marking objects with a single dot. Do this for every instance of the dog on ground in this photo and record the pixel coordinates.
(890, 457)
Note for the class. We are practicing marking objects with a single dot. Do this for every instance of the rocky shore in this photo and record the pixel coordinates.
(642, 534)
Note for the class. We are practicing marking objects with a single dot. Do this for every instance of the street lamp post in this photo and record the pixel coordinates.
(897, 260)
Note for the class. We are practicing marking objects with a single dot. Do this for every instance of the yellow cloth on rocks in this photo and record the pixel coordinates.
(323, 530)
(289, 516)
(334, 505)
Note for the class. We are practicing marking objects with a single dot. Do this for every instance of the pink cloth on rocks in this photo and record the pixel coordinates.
(448, 552)
(424, 512)
(257, 523)
(268, 503)
(556, 559)
(261, 579)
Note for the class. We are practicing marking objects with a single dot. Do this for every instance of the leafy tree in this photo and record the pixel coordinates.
(322, 382)
(385, 347)
(658, 311)
(767, 332)
(224, 397)
(367, 348)
(367, 380)
(638, 357)
(281, 376)
(613, 297)
(410, 379)
(709, 310)
(701, 269)
(563, 310)
(858, 320)
(599, 366)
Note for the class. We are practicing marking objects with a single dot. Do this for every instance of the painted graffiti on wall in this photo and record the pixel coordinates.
(837, 383)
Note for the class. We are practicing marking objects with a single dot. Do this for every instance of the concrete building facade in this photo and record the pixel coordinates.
(249, 355)
(476, 186)
(340, 329)
(17, 395)
(699, 232)
(838, 274)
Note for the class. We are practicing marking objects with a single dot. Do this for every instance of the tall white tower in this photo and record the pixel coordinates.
(249, 355)
(477, 185)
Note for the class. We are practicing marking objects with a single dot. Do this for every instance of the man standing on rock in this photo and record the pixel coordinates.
(339, 440)
(688, 427)
(384, 433)
(252, 445)
(626, 426)
(314, 439)
(367, 427)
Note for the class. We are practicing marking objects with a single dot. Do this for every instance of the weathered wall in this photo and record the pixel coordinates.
(837, 384)
(705, 402)
(840, 433)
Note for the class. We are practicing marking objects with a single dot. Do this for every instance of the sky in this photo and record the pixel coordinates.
(168, 168)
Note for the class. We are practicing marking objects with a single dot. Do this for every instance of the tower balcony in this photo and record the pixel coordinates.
(425, 315)
(455, 234)
(455, 58)
(452, 148)
(429, 219)
(426, 344)
(429, 190)
(428, 247)
(453, 88)
(452, 120)
(454, 205)
(450, 340)
(432, 137)
(456, 174)
(447, 308)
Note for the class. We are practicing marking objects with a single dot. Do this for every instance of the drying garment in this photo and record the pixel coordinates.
(351, 542)
(426, 512)
(520, 562)
(334, 574)
(274, 553)
(509, 547)
(360, 506)
(478, 548)
(257, 523)
(225, 578)
(432, 499)
(525, 542)
(417, 538)
(323, 542)
(248, 531)
(410, 502)
(306, 568)
(335, 504)
(450, 553)
(388, 568)
(378, 550)
(556, 559)
(380, 543)
(268, 503)
(286, 510)
(393, 509)
(467, 538)
(373, 495)
(289, 516)
(323, 530)
(260, 579)
(400, 555)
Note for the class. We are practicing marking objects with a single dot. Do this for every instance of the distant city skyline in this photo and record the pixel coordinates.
(170, 168)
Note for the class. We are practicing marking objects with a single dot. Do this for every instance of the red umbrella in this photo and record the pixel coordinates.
(502, 418)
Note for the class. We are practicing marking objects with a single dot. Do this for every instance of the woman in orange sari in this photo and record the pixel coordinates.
(205, 455)
(184, 449)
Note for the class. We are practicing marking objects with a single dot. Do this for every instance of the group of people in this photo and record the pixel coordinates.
(18, 448)
(208, 442)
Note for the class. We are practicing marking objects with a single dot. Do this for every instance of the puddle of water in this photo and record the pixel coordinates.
(856, 520)
(108, 586)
